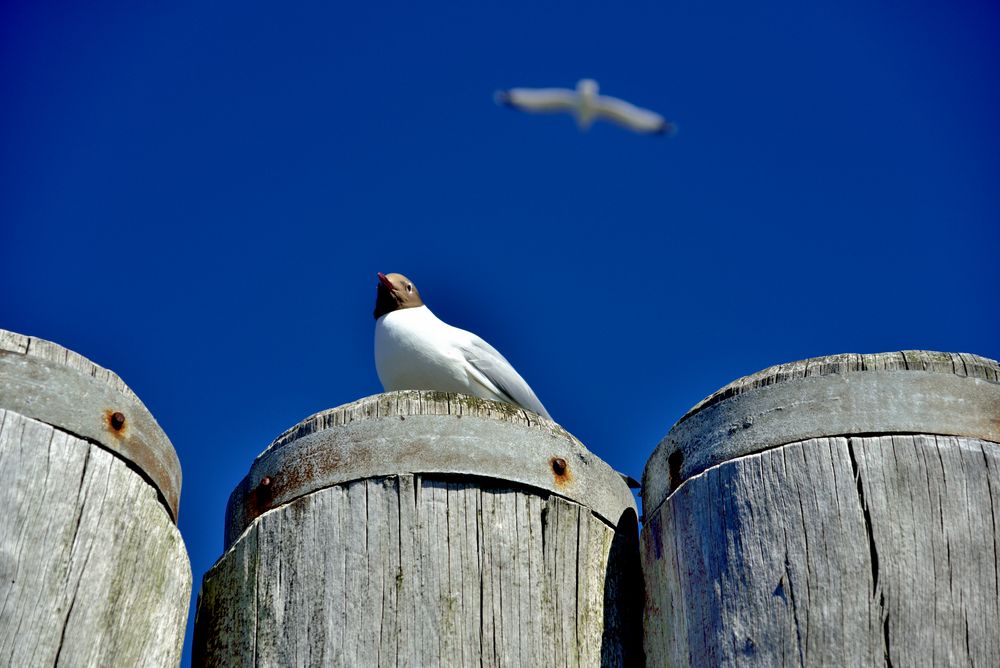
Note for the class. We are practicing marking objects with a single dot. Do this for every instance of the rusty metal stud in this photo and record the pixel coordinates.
(265, 481)
(559, 466)
(117, 420)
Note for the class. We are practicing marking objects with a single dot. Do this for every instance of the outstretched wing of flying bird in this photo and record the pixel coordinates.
(632, 117)
(538, 100)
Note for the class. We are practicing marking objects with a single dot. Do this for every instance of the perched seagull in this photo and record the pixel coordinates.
(414, 350)
(586, 105)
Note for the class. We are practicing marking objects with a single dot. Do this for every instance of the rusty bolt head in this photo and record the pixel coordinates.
(265, 482)
(117, 421)
(559, 466)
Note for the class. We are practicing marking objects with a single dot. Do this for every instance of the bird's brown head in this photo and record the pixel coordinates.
(395, 291)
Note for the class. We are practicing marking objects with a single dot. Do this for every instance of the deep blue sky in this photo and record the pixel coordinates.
(198, 196)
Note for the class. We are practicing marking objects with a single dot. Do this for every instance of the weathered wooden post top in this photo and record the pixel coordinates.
(835, 511)
(422, 528)
(426, 433)
(92, 568)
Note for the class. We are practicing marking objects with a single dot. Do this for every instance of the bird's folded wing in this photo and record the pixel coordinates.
(631, 116)
(496, 370)
(539, 100)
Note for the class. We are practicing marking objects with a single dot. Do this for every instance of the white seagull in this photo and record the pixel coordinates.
(586, 105)
(414, 350)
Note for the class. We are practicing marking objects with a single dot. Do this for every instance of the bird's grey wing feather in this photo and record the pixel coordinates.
(631, 116)
(538, 100)
(498, 371)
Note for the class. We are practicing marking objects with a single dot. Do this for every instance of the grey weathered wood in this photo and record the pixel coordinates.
(407, 569)
(93, 571)
(42, 380)
(838, 550)
(913, 391)
(424, 432)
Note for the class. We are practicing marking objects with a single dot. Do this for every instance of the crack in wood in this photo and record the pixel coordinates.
(872, 551)
(993, 518)
(76, 532)
(886, 656)
(795, 609)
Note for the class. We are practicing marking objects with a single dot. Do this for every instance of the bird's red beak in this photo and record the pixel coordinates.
(385, 281)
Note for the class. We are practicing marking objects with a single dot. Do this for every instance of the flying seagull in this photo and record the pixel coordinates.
(586, 105)
(414, 350)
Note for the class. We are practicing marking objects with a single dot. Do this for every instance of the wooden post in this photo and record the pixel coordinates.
(838, 511)
(425, 529)
(93, 571)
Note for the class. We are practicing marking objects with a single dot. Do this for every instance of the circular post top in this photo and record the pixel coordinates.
(424, 432)
(913, 391)
(46, 382)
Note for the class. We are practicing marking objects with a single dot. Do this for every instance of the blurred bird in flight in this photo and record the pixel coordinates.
(586, 105)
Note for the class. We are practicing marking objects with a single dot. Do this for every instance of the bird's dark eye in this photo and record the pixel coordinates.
(409, 288)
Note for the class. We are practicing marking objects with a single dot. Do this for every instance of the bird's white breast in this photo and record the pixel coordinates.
(416, 350)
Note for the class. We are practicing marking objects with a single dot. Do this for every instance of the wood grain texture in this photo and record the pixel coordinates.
(412, 570)
(915, 392)
(416, 402)
(42, 380)
(833, 551)
(430, 434)
(965, 365)
(53, 352)
(93, 571)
